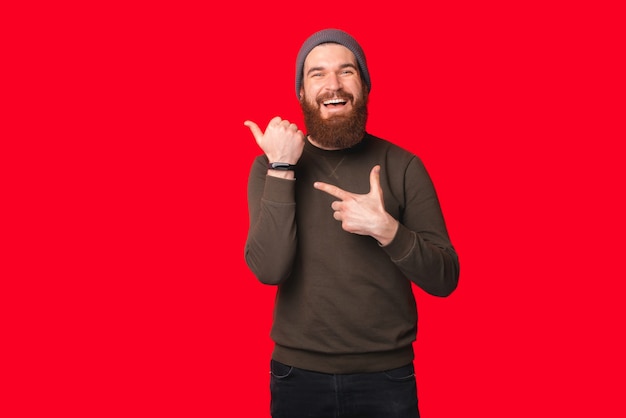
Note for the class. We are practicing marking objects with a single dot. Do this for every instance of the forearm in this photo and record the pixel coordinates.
(421, 247)
(271, 243)
(270, 248)
(386, 230)
(433, 267)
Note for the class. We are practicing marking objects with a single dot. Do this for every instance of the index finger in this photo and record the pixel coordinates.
(331, 190)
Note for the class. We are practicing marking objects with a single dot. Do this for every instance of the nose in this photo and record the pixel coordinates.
(333, 82)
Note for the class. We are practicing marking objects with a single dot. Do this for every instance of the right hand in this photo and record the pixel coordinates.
(282, 141)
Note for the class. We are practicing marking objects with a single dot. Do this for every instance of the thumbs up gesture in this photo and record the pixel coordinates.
(282, 141)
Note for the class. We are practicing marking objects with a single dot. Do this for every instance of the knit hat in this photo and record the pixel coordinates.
(334, 36)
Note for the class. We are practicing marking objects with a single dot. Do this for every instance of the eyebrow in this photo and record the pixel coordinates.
(342, 66)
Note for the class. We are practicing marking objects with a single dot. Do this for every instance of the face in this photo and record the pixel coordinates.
(333, 97)
(331, 80)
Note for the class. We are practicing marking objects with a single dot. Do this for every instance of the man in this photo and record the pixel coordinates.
(342, 222)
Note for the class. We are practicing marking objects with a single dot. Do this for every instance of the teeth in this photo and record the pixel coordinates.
(334, 101)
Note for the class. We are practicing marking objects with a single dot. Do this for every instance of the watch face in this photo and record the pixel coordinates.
(281, 166)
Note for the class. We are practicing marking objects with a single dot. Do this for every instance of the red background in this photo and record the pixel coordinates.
(125, 160)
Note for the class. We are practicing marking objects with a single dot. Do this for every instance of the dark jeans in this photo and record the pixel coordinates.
(298, 393)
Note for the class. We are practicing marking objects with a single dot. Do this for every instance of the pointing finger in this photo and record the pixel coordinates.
(331, 190)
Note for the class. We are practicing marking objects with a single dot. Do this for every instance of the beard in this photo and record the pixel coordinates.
(338, 131)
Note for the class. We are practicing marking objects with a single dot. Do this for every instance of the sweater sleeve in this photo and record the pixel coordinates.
(271, 243)
(421, 248)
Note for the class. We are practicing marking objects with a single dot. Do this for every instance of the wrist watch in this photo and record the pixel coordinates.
(281, 166)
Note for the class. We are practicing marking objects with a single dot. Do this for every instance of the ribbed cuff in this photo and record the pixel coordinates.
(279, 190)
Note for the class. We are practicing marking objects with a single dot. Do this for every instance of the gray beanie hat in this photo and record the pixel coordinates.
(334, 36)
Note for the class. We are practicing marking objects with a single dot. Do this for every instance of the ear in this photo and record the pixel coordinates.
(301, 92)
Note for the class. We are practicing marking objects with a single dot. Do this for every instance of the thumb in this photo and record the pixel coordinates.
(254, 128)
(375, 181)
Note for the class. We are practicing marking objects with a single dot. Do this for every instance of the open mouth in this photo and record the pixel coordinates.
(334, 102)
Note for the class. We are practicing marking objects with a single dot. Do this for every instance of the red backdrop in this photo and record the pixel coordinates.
(124, 287)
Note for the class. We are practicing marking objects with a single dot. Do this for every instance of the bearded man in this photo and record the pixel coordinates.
(343, 223)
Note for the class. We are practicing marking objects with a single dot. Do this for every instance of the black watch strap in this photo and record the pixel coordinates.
(281, 166)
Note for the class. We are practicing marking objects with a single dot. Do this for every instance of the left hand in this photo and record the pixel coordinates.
(363, 214)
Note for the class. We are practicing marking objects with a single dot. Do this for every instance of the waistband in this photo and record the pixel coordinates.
(344, 363)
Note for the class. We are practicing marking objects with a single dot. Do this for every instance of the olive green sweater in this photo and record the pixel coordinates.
(345, 303)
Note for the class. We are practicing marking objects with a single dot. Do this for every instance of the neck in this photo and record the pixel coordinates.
(317, 145)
